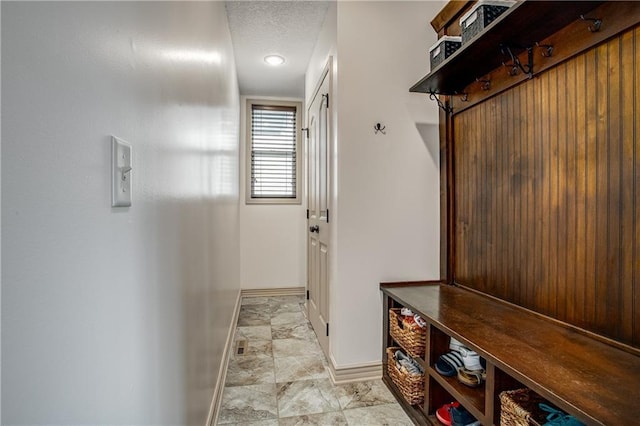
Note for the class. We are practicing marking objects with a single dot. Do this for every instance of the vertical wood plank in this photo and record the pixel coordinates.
(563, 179)
(614, 189)
(602, 204)
(516, 192)
(627, 75)
(507, 143)
(542, 298)
(581, 190)
(532, 207)
(590, 164)
(552, 277)
(514, 184)
(566, 284)
(636, 192)
(538, 147)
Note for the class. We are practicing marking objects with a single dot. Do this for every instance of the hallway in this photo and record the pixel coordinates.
(281, 378)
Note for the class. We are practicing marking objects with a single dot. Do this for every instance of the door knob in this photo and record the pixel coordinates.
(314, 228)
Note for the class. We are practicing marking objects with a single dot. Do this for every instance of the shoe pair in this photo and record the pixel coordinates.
(454, 414)
(559, 418)
(408, 363)
(459, 357)
(408, 314)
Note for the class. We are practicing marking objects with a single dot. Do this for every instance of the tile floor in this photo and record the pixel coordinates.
(282, 377)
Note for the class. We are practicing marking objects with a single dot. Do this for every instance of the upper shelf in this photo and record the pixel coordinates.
(524, 24)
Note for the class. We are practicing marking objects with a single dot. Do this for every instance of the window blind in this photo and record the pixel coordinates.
(273, 151)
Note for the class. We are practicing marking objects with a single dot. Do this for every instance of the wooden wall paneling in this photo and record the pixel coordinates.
(554, 188)
(465, 202)
(626, 185)
(462, 186)
(497, 240)
(542, 290)
(503, 103)
(561, 187)
(538, 157)
(547, 177)
(530, 232)
(614, 190)
(589, 283)
(636, 192)
(567, 294)
(485, 191)
(445, 256)
(602, 160)
(514, 176)
(577, 313)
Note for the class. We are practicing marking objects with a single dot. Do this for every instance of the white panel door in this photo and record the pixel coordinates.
(318, 202)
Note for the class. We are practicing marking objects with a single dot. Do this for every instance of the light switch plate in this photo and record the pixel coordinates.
(120, 173)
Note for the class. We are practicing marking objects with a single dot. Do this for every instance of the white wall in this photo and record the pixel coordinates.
(272, 237)
(387, 185)
(116, 315)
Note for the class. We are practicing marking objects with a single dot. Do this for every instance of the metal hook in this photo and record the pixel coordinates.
(484, 84)
(512, 69)
(597, 23)
(379, 128)
(547, 49)
(516, 64)
(434, 97)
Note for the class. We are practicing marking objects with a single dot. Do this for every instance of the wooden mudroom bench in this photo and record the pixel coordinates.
(582, 374)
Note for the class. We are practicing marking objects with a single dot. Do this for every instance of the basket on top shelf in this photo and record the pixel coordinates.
(411, 386)
(407, 333)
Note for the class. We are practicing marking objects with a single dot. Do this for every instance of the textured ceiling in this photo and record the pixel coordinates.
(286, 28)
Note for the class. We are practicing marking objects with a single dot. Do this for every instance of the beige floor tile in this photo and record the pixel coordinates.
(378, 415)
(306, 397)
(254, 403)
(295, 368)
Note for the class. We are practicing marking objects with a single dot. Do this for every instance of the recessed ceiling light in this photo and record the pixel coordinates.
(274, 60)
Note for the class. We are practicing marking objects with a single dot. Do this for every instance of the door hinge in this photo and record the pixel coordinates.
(307, 294)
(327, 215)
(306, 131)
(307, 213)
(326, 95)
(327, 329)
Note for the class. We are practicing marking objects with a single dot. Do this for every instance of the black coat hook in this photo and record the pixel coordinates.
(379, 128)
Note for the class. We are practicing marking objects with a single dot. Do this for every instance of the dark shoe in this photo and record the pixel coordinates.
(449, 363)
(461, 417)
(559, 418)
(443, 413)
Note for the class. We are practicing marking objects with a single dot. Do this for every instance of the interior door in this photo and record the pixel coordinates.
(318, 204)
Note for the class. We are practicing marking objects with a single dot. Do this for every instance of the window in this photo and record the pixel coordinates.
(273, 163)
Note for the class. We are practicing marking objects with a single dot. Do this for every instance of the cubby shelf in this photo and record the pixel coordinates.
(524, 24)
(471, 398)
(510, 339)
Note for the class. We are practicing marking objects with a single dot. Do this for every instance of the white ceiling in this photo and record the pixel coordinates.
(287, 28)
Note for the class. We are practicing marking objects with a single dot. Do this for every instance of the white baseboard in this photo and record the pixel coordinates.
(272, 292)
(354, 373)
(222, 373)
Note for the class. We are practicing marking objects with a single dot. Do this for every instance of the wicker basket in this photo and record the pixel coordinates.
(520, 408)
(409, 335)
(411, 387)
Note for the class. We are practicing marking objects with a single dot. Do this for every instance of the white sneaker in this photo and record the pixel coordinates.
(406, 312)
(470, 359)
(455, 345)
